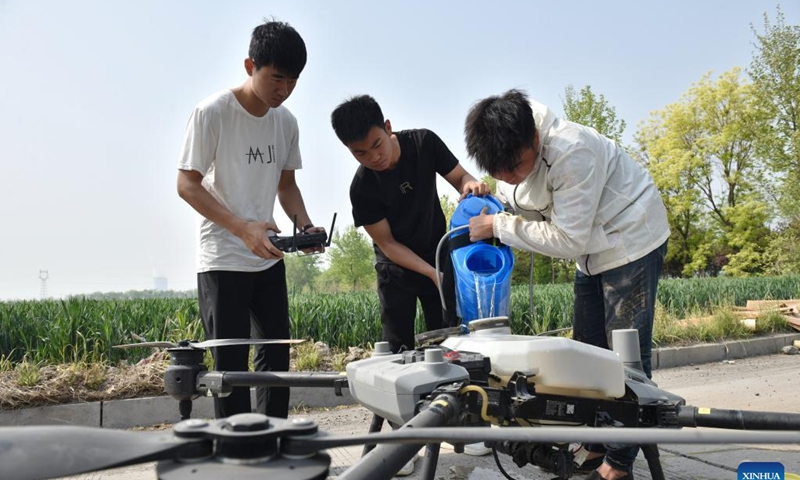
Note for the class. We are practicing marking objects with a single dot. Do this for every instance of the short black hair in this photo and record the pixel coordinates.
(354, 118)
(278, 44)
(497, 129)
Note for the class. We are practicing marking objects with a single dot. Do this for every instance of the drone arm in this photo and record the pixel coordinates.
(689, 416)
(285, 379)
(386, 460)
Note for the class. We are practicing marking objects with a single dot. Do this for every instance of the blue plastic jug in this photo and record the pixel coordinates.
(482, 271)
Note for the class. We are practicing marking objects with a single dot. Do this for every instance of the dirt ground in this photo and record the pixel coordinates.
(32, 386)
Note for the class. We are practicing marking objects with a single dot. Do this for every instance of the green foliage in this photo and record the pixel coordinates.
(27, 373)
(725, 149)
(587, 108)
(448, 208)
(771, 322)
(784, 254)
(308, 357)
(488, 180)
(701, 154)
(666, 329)
(137, 294)
(85, 330)
(5, 363)
(302, 272)
(339, 319)
(352, 258)
(338, 364)
(775, 70)
(545, 269)
(749, 237)
(34, 332)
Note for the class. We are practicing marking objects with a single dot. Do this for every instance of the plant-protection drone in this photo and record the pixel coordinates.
(446, 392)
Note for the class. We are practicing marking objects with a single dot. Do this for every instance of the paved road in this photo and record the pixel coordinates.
(770, 383)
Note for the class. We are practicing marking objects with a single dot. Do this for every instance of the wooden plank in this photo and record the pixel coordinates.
(767, 304)
(793, 322)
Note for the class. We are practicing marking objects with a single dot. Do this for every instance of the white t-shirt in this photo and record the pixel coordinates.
(241, 157)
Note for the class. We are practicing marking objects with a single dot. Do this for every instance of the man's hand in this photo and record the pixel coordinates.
(319, 249)
(254, 235)
(476, 188)
(481, 226)
(435, 277)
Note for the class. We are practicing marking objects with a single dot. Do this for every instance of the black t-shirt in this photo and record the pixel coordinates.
(406, 196)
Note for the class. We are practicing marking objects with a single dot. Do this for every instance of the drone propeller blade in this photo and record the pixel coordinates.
(30, 453)
(148, 344)
(635, 436)
(223, 342)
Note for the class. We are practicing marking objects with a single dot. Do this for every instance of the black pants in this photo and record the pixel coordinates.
(398, 291)
(247, 305)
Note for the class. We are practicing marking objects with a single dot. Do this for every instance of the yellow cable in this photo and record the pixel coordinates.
(485, 405)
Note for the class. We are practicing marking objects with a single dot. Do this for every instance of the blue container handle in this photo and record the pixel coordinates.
(471, 206)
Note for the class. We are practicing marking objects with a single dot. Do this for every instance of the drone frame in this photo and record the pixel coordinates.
(252, 445)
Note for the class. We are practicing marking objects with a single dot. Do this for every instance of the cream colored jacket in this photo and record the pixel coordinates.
(585, 199)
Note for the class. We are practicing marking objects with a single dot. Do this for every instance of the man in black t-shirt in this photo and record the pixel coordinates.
(394, 198)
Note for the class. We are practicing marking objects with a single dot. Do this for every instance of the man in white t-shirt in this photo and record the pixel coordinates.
(240, 152)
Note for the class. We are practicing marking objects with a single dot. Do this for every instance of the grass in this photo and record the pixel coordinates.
(77, 330)
(27, 374)
(29, 383)
(723, 325)
(308, 357)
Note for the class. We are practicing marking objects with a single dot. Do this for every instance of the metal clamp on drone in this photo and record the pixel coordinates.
(543, 392)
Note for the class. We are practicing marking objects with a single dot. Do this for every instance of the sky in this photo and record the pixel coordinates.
(95, 96)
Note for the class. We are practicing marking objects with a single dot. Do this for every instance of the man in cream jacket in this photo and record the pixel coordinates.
(576, 194)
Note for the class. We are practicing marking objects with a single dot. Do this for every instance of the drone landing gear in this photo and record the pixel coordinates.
(429, 461)
(385, 460)
(374, 427)
(653, 461)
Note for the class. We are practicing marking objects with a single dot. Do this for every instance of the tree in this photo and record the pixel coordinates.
(593, 111)
(775, 71)
(785, 256)
(545, 269)
(448, 207)
(302, 272)
(489, 180)
(701, 153)
(351, 258)
(666, 141)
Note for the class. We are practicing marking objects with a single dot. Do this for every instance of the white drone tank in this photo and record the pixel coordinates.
(557, 366)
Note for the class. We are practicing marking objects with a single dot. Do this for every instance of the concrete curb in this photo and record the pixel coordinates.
(142, 412)
(671, 357)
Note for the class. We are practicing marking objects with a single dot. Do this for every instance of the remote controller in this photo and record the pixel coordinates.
(299, 242)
